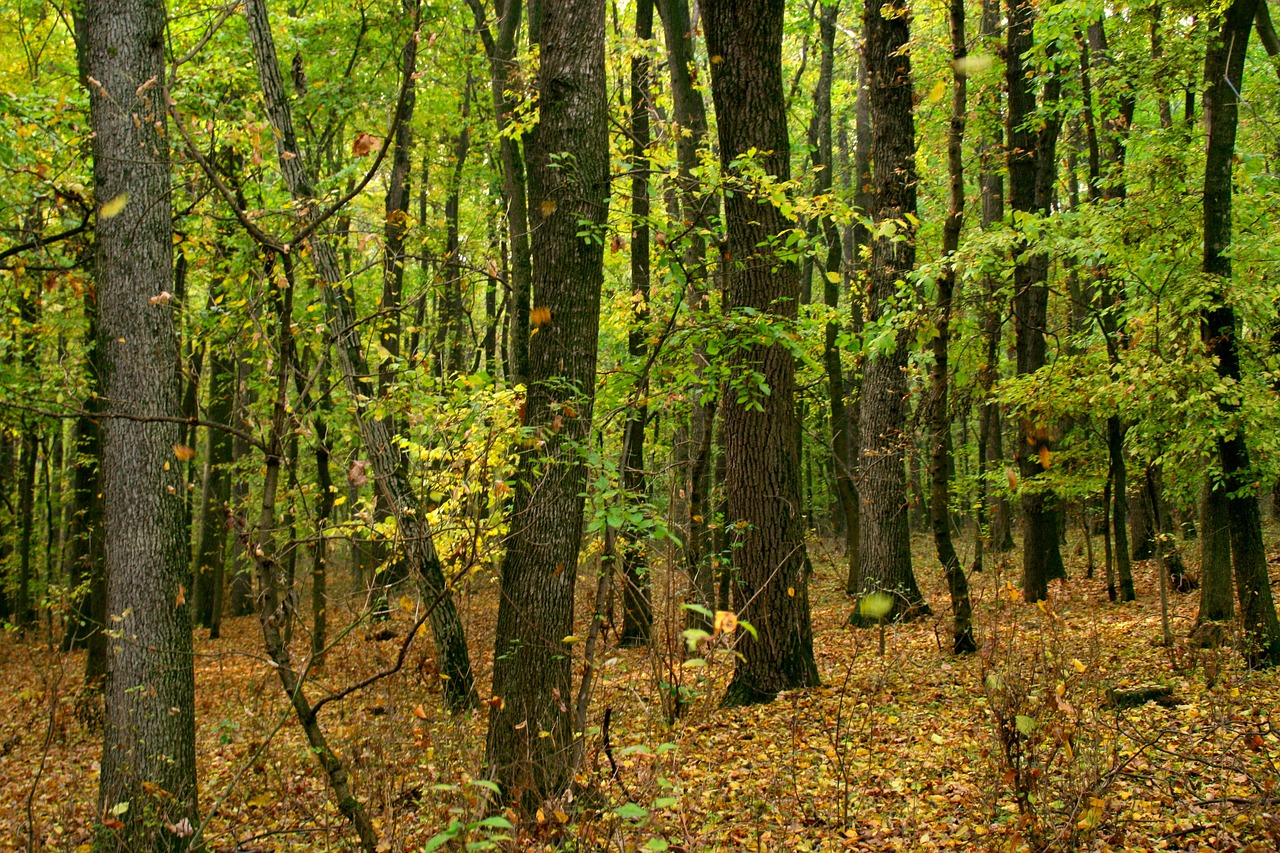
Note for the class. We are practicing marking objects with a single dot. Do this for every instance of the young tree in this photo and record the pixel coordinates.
(886, 536)
(530, 738)
(940, 421)
(148, 781)
(761, 430)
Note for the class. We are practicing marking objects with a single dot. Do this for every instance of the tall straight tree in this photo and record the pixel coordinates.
(886, 538)
(939, 378)
(637, 611)
(148, 776)
(1032, 153)
(761, 431)
(1224, 79)
(530, 738)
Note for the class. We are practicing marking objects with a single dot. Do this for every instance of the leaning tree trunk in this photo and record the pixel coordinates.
(886, 535)
(211, 551)
(940, 421)
(761, 431)
(530, 737)
(343, 327)
(1224, 73)
(148, 776)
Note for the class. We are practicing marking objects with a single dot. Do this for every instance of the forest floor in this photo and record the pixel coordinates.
(912, 749)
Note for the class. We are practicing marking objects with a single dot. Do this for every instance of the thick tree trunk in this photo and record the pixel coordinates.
(637, 609)
(761, 432)
(1032, 167)
(940, 420)
(885, 535)
(385, 456)
(1224, 76)
(530, 738)
(148, 757)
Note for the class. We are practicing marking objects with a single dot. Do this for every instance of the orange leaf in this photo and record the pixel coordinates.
(184, 453)
(540, 316)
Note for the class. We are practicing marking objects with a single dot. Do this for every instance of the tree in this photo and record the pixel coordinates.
(940, 421)
(148, 784)
(761, 430)
(530, 737)
(885, 536)
(1224, 78)
(1032, 155)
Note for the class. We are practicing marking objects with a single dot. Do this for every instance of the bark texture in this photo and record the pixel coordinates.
(148, 760)
(886, 537)
(761, 431)
(530, 738)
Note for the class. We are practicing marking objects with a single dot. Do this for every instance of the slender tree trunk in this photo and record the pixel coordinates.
(453, 316)
(211, 552)
(530, 737)
(689, 113)
(148, 756)
(886, 536)
(761, 431)
(500, 46)
(940, 426)
(385, 456)
(1224, 76)
(833, 281)
(637, 609)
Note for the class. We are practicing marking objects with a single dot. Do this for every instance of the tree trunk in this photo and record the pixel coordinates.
(148, 776)
(833, 281)
(940, 420)
(530, 737)
(501, 50)
(1216, 587)
(761, 432)
(689, 112)
(637, 609)
(385, 456)
(1224, 76)
(453, 319)
(885, 535)
(1032, 167)
(211, 552)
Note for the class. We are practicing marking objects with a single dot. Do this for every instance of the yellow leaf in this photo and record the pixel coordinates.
(938, 92)
(406, 604)
(1080, 667)
(547, 206)
(114, 206)
(540, 316)
(726, 622)
(571, 639)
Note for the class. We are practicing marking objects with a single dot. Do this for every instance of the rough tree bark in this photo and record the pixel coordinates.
(148, 756)
(761, 431)
(1032, 167)
(886, 537)
(530, 739)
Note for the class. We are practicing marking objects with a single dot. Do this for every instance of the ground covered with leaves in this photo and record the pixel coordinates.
(1035, 742)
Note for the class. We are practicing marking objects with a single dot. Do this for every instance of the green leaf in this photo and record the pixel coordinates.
(631, 811)
(1026, 725)
(496, 822)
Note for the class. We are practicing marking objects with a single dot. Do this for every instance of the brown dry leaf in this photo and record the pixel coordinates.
(365, 144)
